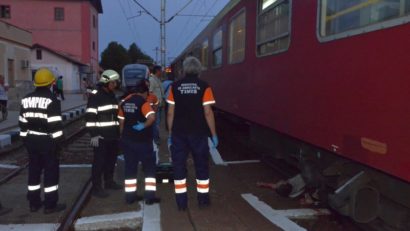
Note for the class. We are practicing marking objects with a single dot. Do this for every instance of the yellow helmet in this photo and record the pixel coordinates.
(43, 77)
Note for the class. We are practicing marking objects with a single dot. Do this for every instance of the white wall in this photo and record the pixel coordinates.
(59, 66)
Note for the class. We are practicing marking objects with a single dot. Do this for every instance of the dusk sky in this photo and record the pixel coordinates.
(145, 31)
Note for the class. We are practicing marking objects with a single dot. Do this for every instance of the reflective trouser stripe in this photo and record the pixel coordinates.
(51, 189)
(150, 184)
(202, 186)
(34, 187)
(180, 186)
(130, 185)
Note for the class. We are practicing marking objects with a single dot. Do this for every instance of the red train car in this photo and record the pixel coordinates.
(333, 74)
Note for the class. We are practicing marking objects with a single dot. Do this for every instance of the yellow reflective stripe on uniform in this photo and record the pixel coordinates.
(22, 119)
(51, 189)
(37, 133)
(34, 187)
(202, 186)
(23, 134)
(57, 134)
(121, 117)
(180, 186)
(130, 185)
(54, 119)
(107, 124)
(149, 113)
(90, 124)
(208, 103)
(107, 107)
(170, 102)
(150, 184)
(91, 110)
(130, 181)
(35, 115)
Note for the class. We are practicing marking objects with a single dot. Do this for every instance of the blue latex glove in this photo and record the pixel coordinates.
(169, 140)
(215, 141)
(139, 126)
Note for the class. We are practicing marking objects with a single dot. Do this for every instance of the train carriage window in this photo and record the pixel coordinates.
(338, 16)
(204, 54)
(217, 49)
(273, 26)
(237, 32)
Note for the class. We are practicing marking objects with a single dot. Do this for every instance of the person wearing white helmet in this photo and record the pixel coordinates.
(103, 126)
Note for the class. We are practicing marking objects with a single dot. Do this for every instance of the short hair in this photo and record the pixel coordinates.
(141, 87)
(284, 190)
(156, 68)
(192, 65)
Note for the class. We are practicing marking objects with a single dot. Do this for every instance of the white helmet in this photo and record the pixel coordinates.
(109, 76)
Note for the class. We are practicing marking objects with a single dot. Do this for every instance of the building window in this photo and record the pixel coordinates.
(5, 11)
(93, 46)
(272, 30)
(39, 54)
(237, 38)
(59, 14)
(338, 16)
(204, 54)
(217, 48)
(94, 21)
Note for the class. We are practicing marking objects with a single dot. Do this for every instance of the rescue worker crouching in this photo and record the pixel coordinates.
(41, 128)
(136, 120)
(103, 126)
(190, 119)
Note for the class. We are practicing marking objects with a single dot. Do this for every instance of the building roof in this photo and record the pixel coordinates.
(60, 54)
(98, 5)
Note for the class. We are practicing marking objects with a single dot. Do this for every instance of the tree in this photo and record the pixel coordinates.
(114, 57)
(135, 54)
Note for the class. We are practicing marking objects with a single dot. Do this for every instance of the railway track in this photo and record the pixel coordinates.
(76, 150)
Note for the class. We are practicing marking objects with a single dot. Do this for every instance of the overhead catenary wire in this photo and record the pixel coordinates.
(178, 41)
(189, 37)
(133, 32)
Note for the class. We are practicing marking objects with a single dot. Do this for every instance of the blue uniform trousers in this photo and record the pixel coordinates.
(134, 153)
(42, 156)
(181, 146)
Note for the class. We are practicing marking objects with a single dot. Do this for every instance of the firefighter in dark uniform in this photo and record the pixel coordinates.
(190, 120)
(103, 126)
(41, 130)
(136, 120)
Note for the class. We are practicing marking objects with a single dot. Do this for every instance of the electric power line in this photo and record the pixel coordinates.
(197, 26)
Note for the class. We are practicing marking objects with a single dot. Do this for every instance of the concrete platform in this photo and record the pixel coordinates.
(14, 192)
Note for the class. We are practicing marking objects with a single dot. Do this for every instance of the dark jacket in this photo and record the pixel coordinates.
(40, 116)
(101, 115)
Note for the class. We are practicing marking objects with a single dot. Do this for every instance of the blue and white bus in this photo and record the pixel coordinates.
(132, 74)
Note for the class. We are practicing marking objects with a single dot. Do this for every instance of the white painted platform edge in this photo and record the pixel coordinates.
(271, 214)
(29, 227)
(152, 218)
(109, 217)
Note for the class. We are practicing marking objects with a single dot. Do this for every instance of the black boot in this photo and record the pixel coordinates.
(112, 185)
(153, 200)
